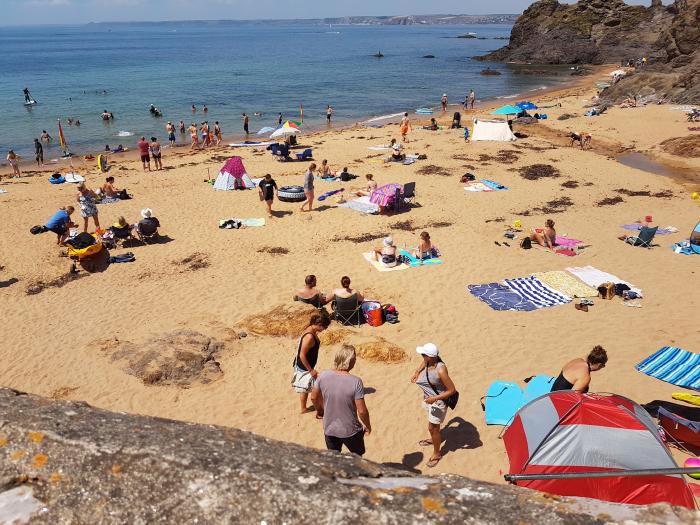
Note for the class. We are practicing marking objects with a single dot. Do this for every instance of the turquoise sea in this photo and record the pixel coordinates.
(235, 67)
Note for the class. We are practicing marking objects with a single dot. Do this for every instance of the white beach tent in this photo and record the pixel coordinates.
(492, 130)
(233, 176)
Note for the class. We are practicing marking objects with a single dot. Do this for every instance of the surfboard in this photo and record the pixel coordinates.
(102, 163)
(424, 111)
(31, 103)
(249, 144)
(74, 178)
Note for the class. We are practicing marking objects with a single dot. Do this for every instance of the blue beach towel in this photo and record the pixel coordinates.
(501, 297)
(683, 247)
(502, 401)
(493, 184)
(673, 365)
(532, 290)
(414, 261)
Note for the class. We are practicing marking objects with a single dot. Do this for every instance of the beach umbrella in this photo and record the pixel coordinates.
(284, 132)
(383, 195)
(525, 105)
(507, 110)
(266, 130)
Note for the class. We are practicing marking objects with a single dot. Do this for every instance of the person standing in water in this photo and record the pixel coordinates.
(279, 118)
(472, 98)
(217, 133)
(27, 96)
(245, 124)
(181, 127)
(39, 151)
(576, 374)
(205, 108)
(329, 113)
(171, 133)
(443, 101)
(45, 136)
(194, 108)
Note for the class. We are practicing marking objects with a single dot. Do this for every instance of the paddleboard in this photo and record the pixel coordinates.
(74, 178)
(424, 111)
(30, 103)
(249, 144)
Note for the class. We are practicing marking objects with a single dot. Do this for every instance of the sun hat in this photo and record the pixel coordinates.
(388, 241)
(146, 213)
(428, 349)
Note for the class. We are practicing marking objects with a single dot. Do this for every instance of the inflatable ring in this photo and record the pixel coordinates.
(291, 194)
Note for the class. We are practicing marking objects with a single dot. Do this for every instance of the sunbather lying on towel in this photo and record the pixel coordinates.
(387, 254)
(371, 186)
(433, 126)
(545, 236)
(309, 294)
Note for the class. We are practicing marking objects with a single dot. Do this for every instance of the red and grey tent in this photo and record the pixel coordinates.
(594, 446)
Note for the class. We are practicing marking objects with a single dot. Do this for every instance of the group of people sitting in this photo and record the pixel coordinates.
(310, 294)
(388, 254)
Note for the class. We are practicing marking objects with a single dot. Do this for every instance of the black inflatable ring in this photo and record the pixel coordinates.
(291, 194)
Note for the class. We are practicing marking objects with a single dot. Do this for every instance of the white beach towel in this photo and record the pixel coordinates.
(594, 277)
(363, 205)
(369, 257)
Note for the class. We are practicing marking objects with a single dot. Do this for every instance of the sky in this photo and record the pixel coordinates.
(23, 12)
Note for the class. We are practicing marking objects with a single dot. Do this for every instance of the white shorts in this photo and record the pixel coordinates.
(302, 381)
(436, 412)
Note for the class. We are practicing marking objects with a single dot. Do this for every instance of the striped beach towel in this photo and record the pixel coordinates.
(673, 365)
(532, 290)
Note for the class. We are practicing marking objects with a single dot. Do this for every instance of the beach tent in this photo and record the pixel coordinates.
(233, 176)
(492, 130)
(580, 439)
(695, 239)
(507, 110)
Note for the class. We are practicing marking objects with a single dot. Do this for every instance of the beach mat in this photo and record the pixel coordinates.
(673, 365)
(565, 283)
(255, 222)
(369, 257)
(502, 402)
(595, 277)
(534, 291)
(501, 297)
(362, 205)
(635, 227)
(414, 261)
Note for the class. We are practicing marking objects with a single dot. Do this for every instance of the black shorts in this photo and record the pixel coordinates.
(58, 230)
(354, 443)
(145, 158)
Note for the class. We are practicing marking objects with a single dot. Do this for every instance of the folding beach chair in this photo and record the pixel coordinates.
(280, 151)
(409, 192)
(646, 235)
(307, 154)
(347, 310)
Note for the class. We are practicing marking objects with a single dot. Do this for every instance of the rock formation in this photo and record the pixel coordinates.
(610, 31)
(66, 462)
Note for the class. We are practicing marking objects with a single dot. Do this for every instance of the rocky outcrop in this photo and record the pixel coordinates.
(587, 32)
(610, 31)
(66, 462)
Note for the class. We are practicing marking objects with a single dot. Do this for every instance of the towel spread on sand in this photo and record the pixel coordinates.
(363, 205)
(683, 247)
(533, 290)
(594, 277)
(415, 261)
(565, 283)
(501, 297)
(484, 185)
(244, 222)
(673, 365)
(566, 242)
(635, 227)
(369, 257)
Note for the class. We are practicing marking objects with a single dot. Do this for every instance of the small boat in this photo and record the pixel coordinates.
(378, 54)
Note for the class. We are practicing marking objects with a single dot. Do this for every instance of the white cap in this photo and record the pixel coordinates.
(388, 241)
(146, 213)
(428, 349)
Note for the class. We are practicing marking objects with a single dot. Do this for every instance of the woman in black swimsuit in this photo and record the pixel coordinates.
(309, 294)
(576, 374)
(307, 356)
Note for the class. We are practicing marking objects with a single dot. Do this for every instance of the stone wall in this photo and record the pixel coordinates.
(68, 463)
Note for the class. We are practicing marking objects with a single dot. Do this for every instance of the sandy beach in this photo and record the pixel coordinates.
(60, 341)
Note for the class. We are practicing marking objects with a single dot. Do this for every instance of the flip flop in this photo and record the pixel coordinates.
(433, 462)
(582, 307)
(497, 243)
(504, 242)
(425, 443)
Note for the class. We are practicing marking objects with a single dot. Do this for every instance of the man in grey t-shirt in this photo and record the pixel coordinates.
(339, 398)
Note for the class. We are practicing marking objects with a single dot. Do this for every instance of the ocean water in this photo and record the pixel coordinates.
(235, 67)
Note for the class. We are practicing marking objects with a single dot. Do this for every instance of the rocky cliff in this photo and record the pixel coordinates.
(69, 463)
(610, 31)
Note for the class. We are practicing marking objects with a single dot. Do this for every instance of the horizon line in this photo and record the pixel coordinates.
(257, 19)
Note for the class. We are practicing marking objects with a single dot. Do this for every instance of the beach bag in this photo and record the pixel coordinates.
(390, 314)
(373, 313)
(526, 243)
(450, 401)
(34, 230)
(81, 241)
(606, 290)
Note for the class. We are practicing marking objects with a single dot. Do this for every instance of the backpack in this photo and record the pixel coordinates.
(34, 230)
(526, 243)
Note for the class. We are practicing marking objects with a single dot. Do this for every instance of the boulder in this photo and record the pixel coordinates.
(67, 462)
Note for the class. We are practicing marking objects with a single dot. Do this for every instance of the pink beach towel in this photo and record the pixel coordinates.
(566, 242)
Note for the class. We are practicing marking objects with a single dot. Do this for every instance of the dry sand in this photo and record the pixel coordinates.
(58, 342)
